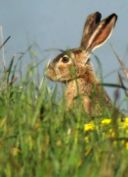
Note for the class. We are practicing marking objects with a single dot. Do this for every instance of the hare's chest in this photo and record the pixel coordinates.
(76, 88)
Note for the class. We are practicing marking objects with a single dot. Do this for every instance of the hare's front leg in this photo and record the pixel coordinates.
(70, 95)
(71, 99)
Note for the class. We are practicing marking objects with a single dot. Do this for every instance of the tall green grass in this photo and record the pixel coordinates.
(40, 138)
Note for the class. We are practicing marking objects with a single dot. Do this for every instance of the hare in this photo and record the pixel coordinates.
(73, 66)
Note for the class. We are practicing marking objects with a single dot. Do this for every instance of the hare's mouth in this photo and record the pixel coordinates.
(51, 74)
(57, 76)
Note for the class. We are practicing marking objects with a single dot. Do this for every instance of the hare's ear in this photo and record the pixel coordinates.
(90, 25)
(102, 32)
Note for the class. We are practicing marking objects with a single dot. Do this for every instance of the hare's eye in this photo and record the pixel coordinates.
(65, 59)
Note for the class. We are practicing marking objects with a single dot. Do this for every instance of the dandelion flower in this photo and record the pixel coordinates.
(106, 121)
(89, 126)
(124, 124)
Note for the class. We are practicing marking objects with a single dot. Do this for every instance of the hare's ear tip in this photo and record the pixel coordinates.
(114, 15)
(98, 13)
(111, 18)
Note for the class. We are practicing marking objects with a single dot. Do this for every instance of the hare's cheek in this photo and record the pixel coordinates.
(61, 69)
(63, 73)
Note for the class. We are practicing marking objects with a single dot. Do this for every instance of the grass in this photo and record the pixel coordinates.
(40, 138)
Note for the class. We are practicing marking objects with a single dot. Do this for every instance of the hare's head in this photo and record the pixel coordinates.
(74, 63)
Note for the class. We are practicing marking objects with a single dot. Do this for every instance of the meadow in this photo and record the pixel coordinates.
(40, 138)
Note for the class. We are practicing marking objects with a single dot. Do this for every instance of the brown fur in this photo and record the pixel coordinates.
(73, 66)
(90, 90)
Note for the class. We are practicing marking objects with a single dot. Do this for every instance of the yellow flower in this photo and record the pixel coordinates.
(89, 127)
(124, 124)
(126, 145)
(106, 121)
